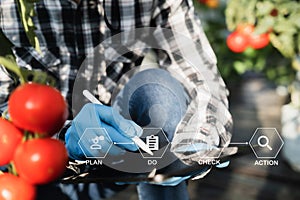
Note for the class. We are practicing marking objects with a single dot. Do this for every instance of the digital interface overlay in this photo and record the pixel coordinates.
(266, 143)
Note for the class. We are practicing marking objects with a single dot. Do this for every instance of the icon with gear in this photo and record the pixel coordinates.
(98, 142)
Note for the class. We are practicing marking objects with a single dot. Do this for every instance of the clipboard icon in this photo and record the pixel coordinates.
(152, 142)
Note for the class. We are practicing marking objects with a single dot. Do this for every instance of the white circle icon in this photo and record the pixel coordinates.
(264, 144)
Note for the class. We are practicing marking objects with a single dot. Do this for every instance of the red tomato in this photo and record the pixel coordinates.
(237, 42)
(212, 3)
(15, 188)
(41, 161)
(259, 41)
(10, 137)
(38, 108)
(246, 29)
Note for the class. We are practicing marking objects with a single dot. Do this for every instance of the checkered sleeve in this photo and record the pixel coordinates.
(6, 86)
(205, 130)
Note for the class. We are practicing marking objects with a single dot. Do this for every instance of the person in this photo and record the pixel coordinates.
(188, 102)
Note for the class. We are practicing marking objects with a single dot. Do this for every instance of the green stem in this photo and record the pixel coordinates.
(4, 114)
(12, 66)
(12, 169)
(37, 136)
(27, 136)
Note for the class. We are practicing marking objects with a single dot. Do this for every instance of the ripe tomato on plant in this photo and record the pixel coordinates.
(10, 137)
(37, 108)
(259, 41)
(237, 42)
(256, 41)
(40, 161)
(212, 3)
(246, 29)
(15, 188)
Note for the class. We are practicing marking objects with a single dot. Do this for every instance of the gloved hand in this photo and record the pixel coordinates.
(98, 121)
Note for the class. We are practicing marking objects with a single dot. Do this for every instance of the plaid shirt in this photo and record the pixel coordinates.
(69, 32)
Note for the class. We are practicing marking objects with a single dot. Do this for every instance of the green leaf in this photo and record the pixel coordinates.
(250, 52)
(249, 12)
(22, 75)
(234, 16)
(281, 1)
(288, 7)
(284, 25)
(230, 14)
(271, 74)
(298, 44)
(12, 66)
(260, 64)
(264, 8)
(26, 75)
(26, 10)
(240, 67)
(296, 62)
(264, 24)
(284, 43)
(295, 19)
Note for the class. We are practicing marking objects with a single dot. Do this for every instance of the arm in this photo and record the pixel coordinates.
(207, 122)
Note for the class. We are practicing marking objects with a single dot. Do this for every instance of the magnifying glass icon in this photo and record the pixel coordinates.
(265, 144)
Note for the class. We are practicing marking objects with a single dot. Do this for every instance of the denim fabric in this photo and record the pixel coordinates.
(155, 99)
(157, 192)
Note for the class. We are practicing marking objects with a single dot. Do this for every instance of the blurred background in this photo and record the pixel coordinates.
(257, 43)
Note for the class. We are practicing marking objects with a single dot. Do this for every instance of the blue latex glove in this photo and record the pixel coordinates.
(108, 125)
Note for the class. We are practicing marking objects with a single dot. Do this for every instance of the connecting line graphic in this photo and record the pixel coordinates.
(188, 143)
(242, 143)
(123, 142)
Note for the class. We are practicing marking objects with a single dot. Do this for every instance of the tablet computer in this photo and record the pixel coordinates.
(176, 169)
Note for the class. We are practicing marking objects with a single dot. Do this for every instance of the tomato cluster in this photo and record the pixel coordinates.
(36, 112)
(244, 37)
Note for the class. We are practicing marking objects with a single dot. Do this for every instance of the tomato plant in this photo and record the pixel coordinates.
(40, 161)
(10, 137)
(258, 41)
(237, 42)
(37, 108)
(15, 188)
